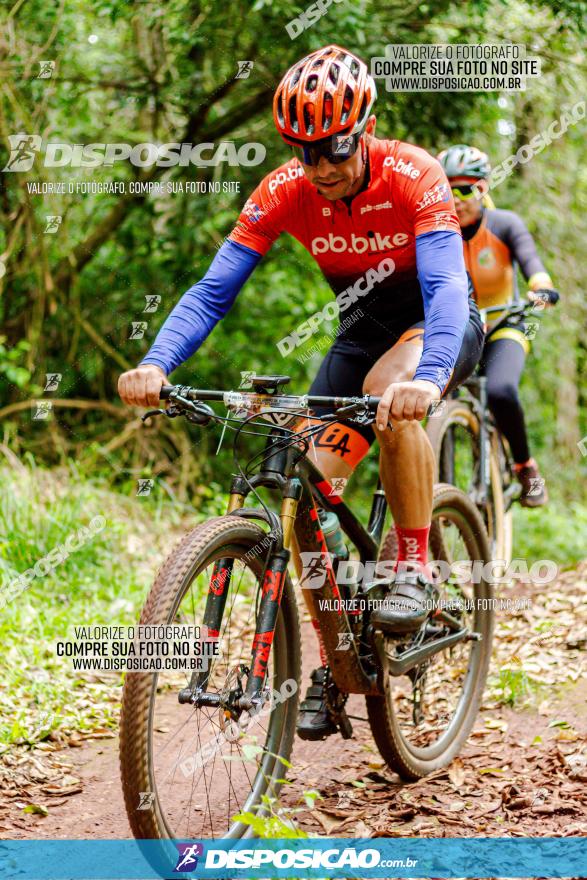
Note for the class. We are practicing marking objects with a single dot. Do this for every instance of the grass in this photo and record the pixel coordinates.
(557, 531)
(104, 581)
(511, 686)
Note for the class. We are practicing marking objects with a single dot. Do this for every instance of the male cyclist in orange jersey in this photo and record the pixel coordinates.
(495, 242)
(379, 218)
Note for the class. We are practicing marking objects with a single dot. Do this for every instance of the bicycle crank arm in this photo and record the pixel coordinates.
(415, 656)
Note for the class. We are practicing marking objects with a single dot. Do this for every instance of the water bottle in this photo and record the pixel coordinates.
(334, 539)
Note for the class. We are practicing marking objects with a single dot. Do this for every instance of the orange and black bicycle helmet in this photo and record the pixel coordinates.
(328, 92)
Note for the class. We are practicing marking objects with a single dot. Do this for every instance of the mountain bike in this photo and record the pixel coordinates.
(212, 747)
(471, 452)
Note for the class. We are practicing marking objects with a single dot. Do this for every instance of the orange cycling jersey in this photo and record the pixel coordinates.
(493, 246)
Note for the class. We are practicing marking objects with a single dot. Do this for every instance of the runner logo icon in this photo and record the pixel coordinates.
(187, 859)
(23, 148)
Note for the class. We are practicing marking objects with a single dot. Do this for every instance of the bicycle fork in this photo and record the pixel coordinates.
(484, 446)
(272, 585)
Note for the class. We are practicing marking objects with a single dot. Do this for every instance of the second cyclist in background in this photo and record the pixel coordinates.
(495, 242)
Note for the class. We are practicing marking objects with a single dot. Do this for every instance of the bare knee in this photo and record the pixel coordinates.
(376, 381)
(407, 433)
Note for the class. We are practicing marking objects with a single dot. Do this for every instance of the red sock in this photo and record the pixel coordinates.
(413, 546)
(323, 655)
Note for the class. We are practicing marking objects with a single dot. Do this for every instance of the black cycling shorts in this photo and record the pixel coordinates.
(345, 367)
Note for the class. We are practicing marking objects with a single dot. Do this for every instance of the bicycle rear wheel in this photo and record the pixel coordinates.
(199, 770)
(424, 716)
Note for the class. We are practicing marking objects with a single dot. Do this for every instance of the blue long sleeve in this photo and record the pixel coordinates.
(202, 306)
(443, 279)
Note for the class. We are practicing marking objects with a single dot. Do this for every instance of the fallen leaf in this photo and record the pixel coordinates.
(457, 773)
(38, 809)
(496, 724)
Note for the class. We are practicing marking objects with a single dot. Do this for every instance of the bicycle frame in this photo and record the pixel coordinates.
(302, 489)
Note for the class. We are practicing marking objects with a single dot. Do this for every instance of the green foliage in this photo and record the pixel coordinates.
(166, 74)
(105, 578)
(9, 362)
(274, 820)
(511, 685)
(556, 532)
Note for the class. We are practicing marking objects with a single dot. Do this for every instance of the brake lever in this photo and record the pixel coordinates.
(152, 412)
(359, 412)
(171, 412)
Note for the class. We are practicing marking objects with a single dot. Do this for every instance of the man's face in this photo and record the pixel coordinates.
(337, 181)
(468, 210)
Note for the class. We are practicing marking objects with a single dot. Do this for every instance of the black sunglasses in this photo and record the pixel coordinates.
(335, 149)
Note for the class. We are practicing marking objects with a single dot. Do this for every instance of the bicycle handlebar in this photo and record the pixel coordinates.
(516, 308)
(203, 394)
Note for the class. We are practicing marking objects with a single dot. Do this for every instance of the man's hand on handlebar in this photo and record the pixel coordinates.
(141, 386)
(406, 401)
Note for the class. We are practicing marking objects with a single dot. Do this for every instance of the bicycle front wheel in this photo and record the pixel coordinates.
(454, 436)
(187, 771)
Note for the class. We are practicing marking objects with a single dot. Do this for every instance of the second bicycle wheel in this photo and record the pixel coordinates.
(454, 436)
(424, 716)
(198, 769)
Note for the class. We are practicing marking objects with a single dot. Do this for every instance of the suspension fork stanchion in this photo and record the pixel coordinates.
(218, 588)
(272, 591)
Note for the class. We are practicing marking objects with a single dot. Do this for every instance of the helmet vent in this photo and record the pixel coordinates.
(309, 118)
(333, 73)
(312, 83)
(355, 68)
(296, 76)
(280, 108)
(293, 113)
(327, 111)
(347, 104)
(363, 111)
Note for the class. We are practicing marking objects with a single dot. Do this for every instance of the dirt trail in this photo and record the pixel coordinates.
(522, 772)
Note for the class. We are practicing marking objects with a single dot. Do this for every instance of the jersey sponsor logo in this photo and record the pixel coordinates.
(486, 258)
(383, 206)
(442, 220)
(438, 193)
(252, 211)
(326, 212)
(282, 177)
(401, 167)
(358, 244)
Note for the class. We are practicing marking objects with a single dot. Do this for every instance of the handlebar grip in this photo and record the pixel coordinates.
(165, 391)
(549, 294)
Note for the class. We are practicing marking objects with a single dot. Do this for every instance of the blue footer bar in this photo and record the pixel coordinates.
(297, 858)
